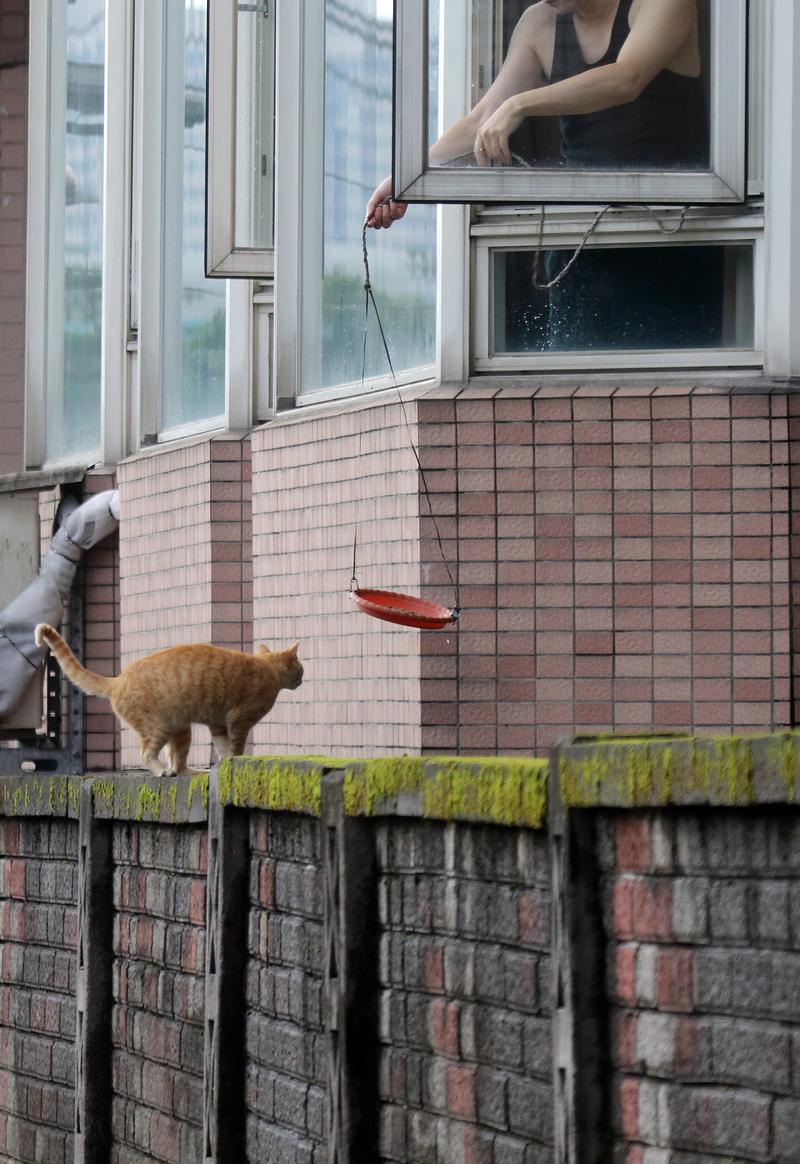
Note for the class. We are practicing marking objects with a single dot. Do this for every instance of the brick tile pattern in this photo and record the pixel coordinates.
(38, 941)
(13, 184)
(101, 640)
(465, 1068)
(286, 1053)
(624, 565)
(315, 482)
(185, 557)
(703, 969)
(158, 993)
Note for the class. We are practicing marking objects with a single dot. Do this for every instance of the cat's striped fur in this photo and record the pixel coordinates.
(163, 694)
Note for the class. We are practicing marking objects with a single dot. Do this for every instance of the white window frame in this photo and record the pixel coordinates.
(782, 190)
(300, 55)
(160, 176)
(44, 315)
(416, 181)
(135, 335)
(564, 230)
(224, 167)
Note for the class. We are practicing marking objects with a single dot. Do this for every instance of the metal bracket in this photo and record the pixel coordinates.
(60, 749)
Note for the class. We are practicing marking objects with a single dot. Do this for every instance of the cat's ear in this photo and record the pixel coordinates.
(263, 650)
(291, 652)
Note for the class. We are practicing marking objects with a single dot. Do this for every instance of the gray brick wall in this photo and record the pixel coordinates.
(158, 988)
(286, 1054)
(38, 900)
(703, 917)
(689, 948)
(465, 1066)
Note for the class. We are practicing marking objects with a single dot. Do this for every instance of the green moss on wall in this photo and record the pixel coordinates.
(148, 802)
(198, 786)
(495, 790)
(279, 785)
(640, 773)
(103, 794)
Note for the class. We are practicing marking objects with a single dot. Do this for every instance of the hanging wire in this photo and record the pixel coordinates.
(370, 298)
(589, 232)
(540, 286)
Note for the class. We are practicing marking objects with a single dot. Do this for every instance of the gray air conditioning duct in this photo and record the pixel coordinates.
(45, 599)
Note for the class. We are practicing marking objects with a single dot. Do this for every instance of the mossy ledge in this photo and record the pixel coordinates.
(489, 789)
(716, 770)
(276, 783)
(35, 795)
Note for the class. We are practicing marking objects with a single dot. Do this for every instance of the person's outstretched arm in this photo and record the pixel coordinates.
(521, 70)
(659, 31)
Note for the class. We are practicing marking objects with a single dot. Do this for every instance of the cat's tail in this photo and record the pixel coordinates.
(88, 681)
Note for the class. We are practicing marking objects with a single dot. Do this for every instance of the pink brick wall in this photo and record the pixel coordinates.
(624, 562)
(101, 639)
(314, 479)
(101, 624)
(13, 162)
(184, 554)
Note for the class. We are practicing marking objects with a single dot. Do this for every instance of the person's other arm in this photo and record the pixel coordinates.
(659, 31)
(521, 70)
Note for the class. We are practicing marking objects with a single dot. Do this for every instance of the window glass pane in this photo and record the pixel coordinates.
(194, 376)
(255, 125)
(665, 126)
(357, 155)
(73, 405)
(624, 299)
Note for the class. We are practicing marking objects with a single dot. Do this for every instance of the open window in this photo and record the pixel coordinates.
(240, 180)
(699, 158)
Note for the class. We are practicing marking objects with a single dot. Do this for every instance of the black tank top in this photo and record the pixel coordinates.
(665, 127)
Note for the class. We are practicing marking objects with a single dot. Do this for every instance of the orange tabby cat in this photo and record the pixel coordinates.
(162, 695)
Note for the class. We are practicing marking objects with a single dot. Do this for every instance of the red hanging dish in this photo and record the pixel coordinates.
(404, 609)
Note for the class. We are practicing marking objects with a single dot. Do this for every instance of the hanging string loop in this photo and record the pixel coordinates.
(369, 298)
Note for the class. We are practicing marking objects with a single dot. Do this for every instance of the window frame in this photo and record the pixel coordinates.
(300, 50)
(224, 259)
(133, 330)
(44, 313)
(148, 347)
(565, 229)
(416, 181)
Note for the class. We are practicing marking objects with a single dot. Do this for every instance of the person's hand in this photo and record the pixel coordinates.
(491, 140)
(380, 212)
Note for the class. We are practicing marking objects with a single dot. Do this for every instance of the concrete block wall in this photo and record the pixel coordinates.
(286, 1071)
(13, 214)
(38, 930)
(465, 993)
(703, 918)
(465, 1030)
(159, 901)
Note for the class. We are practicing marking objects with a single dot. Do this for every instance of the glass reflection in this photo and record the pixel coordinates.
(255, 126)
(625, 299)
(357, 144)
(549, 89)
(196, 390)
(73, 406)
